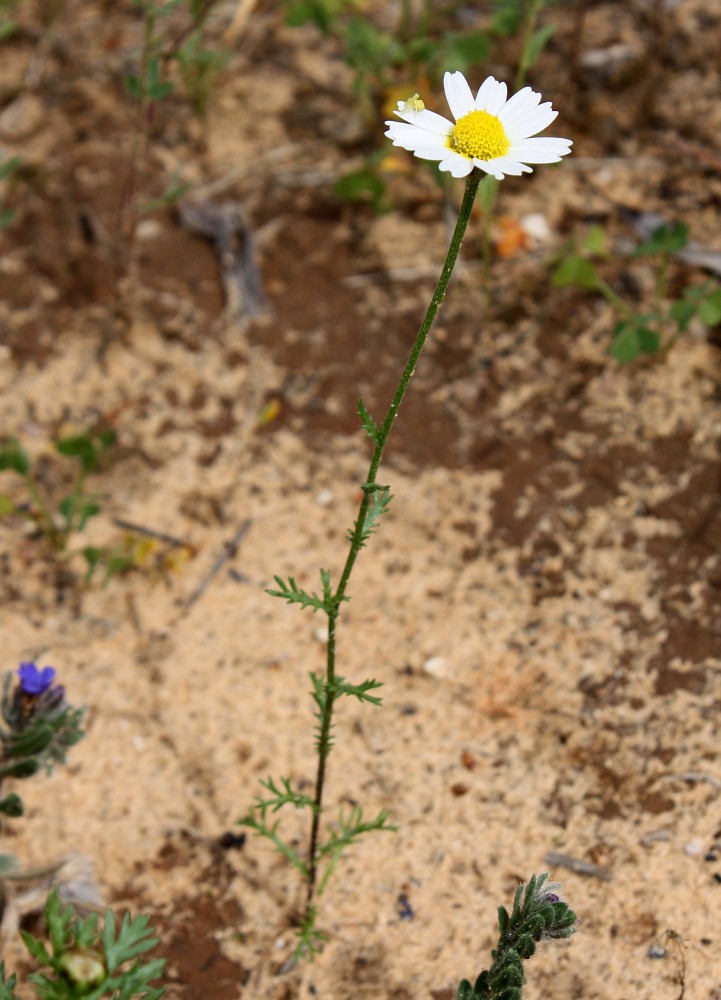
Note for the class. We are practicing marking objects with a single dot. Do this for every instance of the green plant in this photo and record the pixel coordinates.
(8, 26)
(76, 508)
(88, 961)
(637, 333)
(199, 64)
(7, 169)
(421, 45)
(538, 914)
(457, 151)
(39, 727)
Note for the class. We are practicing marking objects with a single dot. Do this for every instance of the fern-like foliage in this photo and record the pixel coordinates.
(369, 424)
(381, 497)
(92, 964)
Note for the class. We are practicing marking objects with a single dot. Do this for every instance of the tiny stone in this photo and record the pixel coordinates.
(694, 847)
(435, 666)
(321, 634)
(656, 951)
(535, 225)
(148, 229)
(324, 497)
(279, 943)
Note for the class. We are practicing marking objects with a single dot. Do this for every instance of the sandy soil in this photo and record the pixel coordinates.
(541, 602)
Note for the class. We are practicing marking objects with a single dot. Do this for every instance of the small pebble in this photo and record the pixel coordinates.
(694, 847)
(324, 498)
(435, 666)
(148, 229)
(656, 951)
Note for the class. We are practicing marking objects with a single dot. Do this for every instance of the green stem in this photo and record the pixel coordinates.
(369, 487)
(606, 290)
(46, 518)
(531, 17)
(661, 281)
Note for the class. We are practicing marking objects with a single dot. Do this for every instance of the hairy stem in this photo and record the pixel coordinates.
(369, 487)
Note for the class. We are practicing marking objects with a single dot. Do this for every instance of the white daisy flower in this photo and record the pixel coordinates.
(490, 132)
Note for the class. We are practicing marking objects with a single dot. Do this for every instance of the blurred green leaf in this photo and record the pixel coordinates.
(538, 42)
(649, 340)
(362, 185)
(369, 50)
(13, 456)
(625, 347)
(157, 89)
(632, 338)
(508, 17)
(710, 308)
(7, 505)
(106, 438)
(459, 51)
(79, 446)
(7, 28)
(667, 238)
(575, 270)
(133, 86)
(596, 241)
(11, 805)
(9, 166)
(322, 13)
(682, 312)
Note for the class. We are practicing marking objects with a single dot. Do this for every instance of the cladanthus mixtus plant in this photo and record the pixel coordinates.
(489, 138)
(85, 960)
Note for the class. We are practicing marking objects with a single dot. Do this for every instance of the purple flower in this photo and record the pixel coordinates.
(33, 681)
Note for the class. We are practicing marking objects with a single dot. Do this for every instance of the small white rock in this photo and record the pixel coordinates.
(535, 226)
(148, 229)
(435, 666)
(694, 847)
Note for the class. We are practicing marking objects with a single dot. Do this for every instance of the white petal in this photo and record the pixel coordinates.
(432, 152)
(489, 168)
(492, 96)
(530, 122)
(521, 102)
(427, 120)
(543, 150)
(458, 95)
(412, 137)
(457, 165)
(514, 110)
(508, 165)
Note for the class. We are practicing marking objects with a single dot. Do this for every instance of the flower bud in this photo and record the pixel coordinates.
(85, 966)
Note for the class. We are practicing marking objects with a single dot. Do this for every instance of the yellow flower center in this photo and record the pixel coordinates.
(480, 135)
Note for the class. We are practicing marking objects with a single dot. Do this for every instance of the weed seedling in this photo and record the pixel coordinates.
(642, 333)
(76, 508)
